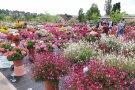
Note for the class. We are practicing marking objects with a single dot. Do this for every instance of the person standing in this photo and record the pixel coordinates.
(106, 29)
(121, 27)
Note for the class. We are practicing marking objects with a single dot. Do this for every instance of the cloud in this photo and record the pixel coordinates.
(61, 6)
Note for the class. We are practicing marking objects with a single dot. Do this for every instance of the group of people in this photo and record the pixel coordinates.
(107, 26)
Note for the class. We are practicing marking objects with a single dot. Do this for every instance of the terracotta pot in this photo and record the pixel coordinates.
(48, 85)
(17, 43)
(19, 69)
(10, 41)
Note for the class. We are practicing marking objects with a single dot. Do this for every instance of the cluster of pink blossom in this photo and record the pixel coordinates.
(50, 67)
(98, 77)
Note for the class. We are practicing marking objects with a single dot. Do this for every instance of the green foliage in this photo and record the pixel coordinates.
(116, 7)
(90, 38)
(133, 48)
(6, 15)
(16, 54)
(79, 53)
(114, 45)
(108, 7)
(7, 46)
(125, 14)
(30, 44)
(124, 65)
(73, 21)
(94, 17)
(2, 17)
(90, 14)
(81, 15)
(116, 16)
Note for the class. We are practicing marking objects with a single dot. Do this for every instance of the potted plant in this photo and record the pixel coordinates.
(16, 40)
(41, 47)
(39, 34)
(50, 69)
(30, 44)
(10, 38)
(16, 55)
(5, 47)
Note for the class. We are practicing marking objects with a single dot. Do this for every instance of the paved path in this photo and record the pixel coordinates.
(5, 84)
(22, 83)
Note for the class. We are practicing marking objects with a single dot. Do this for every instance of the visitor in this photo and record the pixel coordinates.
(124, 23)
(121, 27)
(106, 29)
(110, 24)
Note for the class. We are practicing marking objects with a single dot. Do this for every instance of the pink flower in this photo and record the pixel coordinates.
(5, 54)
(10, 53)
(23, 52)
(53, 45)
(25, 44)
(45, 48)
(37, 47)
(43, 45)
(2, 49)
(3, 43)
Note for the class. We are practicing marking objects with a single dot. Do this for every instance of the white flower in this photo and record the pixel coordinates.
(85, 70)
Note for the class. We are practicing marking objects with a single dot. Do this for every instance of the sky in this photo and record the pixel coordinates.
(62, 6)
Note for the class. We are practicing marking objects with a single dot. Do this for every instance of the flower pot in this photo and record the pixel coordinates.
(10, 41)
(19, 69)
(17, 43)
(48, 85)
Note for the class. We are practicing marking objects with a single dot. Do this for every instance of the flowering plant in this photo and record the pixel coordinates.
(62, 41)
(79, 52)
(10, 36)
(96, 76)
(133, 48)
(30, 43)
(3, 36)
(113, 45)
(49, 39)
(39, 34)
(16, 54)
(90, 38)
(41, 47)
(16, 38)
(50, 68)
(4, 47)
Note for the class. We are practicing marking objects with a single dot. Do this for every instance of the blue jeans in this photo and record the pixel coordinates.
(120, 32)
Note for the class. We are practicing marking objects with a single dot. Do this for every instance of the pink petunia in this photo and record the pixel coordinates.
(10, 53)
(23, 52)
(2, 49)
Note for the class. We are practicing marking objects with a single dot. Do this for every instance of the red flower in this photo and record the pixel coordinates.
(10, 36)
(16, 38)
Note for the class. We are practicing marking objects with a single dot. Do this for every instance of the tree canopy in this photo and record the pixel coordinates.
(116, 7)
(108, 7)
(92, 11)
(81, 15)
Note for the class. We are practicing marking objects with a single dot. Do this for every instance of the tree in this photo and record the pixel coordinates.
(94, 17)
(73, 21)
(125, 14)
(57, 19)
(8, 18)
(116, 16)
(2, 17)
(81, 15)
(108, 7)
(116, 7)
(93, 10)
